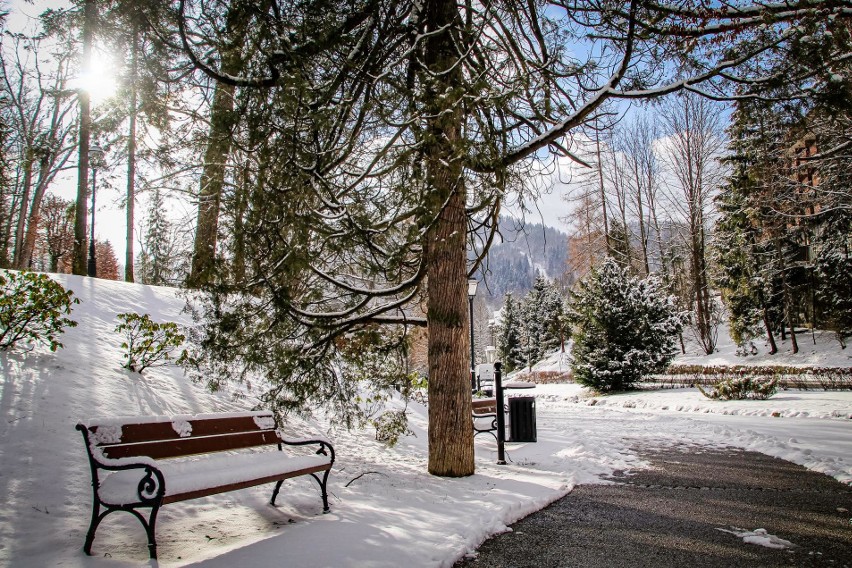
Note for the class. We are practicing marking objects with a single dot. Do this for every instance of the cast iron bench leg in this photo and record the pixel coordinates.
(275, 491)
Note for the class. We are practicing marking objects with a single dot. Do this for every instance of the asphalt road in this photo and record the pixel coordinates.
(677, 512)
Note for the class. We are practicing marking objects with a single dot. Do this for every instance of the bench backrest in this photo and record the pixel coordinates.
(484, 405)
(168, 437)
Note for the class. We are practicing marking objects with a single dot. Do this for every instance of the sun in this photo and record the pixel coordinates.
(98, 78)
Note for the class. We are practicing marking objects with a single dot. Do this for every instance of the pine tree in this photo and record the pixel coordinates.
(832, 268)
(106, 261)
(509, 336)
(542, 324)
(145, 101)
(399, 126)
(764, 226)
(156, 259)
(624, 328)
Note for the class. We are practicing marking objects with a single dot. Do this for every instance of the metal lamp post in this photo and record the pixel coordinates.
(471, 293)
(96, 156)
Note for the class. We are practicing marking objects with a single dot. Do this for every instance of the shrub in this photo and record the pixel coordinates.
(545, 377)
(624, 328)
(742, 388)
(391, 425)
(33, 309)
(149, 344)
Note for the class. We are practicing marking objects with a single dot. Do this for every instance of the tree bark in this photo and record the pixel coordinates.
(212, 185)
(787, 300)
(216, 156)
(450, 432)
(80, 210)
(34, 215)
(769, 335)
(131, 158)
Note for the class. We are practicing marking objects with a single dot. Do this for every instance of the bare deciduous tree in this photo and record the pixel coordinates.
(40, 111)
(694, 144)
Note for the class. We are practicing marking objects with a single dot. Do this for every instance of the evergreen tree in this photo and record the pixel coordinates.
(106, 261)
(143, 102)
(624, 328)
(765, 226)
(392, 128)
(833, 271)
(542, 324)
(156, 260)
(741, 254)
(509, 336)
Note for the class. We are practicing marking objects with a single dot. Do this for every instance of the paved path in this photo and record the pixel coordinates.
(671, 515)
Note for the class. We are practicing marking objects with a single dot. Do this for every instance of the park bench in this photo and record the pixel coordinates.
(135, 462)
(484, 416)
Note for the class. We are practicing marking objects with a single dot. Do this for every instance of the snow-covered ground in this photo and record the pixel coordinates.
(386, 511)
(817, 349)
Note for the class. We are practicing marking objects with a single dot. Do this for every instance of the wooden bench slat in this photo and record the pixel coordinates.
(191, 446)
(165, 430)
(484, 405)
(242, 485)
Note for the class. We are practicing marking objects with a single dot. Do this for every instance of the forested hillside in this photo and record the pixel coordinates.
(527, 249)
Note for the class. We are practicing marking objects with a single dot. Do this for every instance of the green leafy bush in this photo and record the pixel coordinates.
(33, 309)
(742, 388)
(149, 344)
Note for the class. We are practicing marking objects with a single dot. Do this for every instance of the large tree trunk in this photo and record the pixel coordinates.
(131, 158)
(80, 213)
(450, 432)
(212, 185)
(216, 156)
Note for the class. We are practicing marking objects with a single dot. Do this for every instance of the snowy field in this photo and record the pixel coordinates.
(385, 510)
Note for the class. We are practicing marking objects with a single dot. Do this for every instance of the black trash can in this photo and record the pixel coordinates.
(522, 419)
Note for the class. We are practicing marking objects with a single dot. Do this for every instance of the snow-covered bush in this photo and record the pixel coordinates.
(32, 310)
(742, 388)
(148, 343)
(391, 425)
(623, 328)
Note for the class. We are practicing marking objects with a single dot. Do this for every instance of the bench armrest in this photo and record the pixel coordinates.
(151, 486)
(325, 447)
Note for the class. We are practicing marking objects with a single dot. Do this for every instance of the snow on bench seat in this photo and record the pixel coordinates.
(210, 474)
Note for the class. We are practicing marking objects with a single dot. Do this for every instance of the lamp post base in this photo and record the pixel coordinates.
(91, 267)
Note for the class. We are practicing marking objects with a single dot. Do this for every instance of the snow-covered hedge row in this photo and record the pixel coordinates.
(545, 377)
(825, 378)
(742, 388)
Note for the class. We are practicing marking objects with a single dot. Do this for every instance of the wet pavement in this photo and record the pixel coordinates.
(684, 511)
